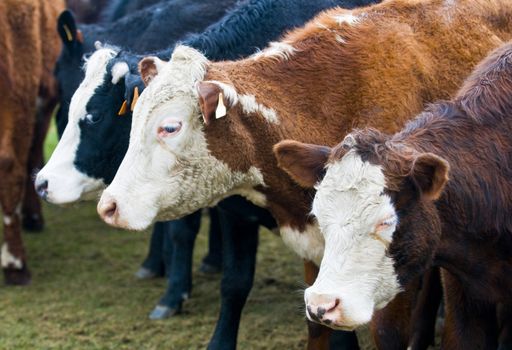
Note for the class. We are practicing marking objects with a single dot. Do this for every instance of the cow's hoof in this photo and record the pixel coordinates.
(161, 312)
(209, 269)
(15, 277)
(33, 222)
(145, 274)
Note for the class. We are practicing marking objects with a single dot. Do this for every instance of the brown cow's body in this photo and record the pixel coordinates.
(467, 231)
(373, 66)
(397, 57)
(29, 46)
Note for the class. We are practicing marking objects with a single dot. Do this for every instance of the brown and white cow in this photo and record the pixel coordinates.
(203, 131)
(29, 47)
(437, 193)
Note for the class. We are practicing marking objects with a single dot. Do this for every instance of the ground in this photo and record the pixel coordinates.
(84, 296)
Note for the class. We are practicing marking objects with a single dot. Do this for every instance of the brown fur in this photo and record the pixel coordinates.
(468, 232)
(29, 45)
(400, 56)
(378, 72)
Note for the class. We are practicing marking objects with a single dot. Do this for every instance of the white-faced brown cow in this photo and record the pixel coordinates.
(388, 211)
(29, 47)
(202, 131)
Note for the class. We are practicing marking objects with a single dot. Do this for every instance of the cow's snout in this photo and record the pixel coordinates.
(323, 308)
(108, 209)
(41, 186)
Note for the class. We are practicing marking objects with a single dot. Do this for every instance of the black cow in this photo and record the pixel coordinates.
(136, 27)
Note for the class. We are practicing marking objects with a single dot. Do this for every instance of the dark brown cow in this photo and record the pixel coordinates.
(29, 46)
(438, 193)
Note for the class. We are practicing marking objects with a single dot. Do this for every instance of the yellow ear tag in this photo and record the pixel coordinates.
(69, 36)
(135, 98)
(122, 110)
(221, 108)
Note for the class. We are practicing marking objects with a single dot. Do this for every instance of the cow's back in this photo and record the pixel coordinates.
(29, 46)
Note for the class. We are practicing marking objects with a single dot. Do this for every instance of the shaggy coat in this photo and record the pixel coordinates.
(468, 230)
(29, 46)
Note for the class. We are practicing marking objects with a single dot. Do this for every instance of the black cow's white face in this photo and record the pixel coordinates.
(75, 170)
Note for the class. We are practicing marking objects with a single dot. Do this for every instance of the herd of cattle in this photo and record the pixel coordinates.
(375, 136)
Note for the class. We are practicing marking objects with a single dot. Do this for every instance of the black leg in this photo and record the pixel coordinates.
(179, 239)
(212, 262)
(154, 264)
(240, 243)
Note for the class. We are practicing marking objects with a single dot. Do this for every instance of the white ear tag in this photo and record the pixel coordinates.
(221, 109)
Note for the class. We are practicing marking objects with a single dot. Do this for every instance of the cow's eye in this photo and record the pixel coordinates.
(387, 222)
(169, 128)
(92, 119)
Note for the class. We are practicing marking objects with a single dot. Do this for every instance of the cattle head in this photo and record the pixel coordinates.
(168, 170)
(96, 136)
(375, 209)
(68, 69)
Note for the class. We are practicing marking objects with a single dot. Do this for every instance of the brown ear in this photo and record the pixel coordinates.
(304, 162)
(212, 101)
(430, 173)
(148, 69)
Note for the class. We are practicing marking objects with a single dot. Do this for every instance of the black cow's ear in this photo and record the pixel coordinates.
(69, 34)
(133, 88)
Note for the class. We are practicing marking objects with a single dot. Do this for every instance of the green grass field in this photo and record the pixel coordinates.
(84, 296)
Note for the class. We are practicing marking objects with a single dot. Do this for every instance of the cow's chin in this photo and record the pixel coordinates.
(65, 197)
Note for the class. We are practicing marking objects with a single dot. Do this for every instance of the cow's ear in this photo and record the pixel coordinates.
(213, 101)
(69, 34)
(149, 67)
(430, 174)
(304, 162)
(133, 88)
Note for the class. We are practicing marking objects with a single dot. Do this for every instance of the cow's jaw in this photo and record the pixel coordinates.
(65, 183)
(356, 274)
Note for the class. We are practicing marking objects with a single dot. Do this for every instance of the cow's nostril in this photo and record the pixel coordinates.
(42, 188)
(111, 209)
(336, 303)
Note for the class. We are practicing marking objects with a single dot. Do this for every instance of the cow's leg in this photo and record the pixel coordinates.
(12, 182)
(239, 247)
(212, 262)
(425, 312)
(180, 236)
(321, 337)
(32, 213)
(154, 264)
(505, 326)
(469, 324)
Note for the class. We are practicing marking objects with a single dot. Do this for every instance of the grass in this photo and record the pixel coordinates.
(84, 296)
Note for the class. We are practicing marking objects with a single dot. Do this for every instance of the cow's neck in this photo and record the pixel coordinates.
(256, 133)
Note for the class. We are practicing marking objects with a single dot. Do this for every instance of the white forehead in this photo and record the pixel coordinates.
(173, 87)
(95, 70)
(351, 189)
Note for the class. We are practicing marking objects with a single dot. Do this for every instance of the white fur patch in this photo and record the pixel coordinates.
(65, 183)
(250, 105)
(248, 102)
(347, 18)
(308, 244)
(349, 205)
(8, 260)
(7, 220)
(278, 50)
(119, 70)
